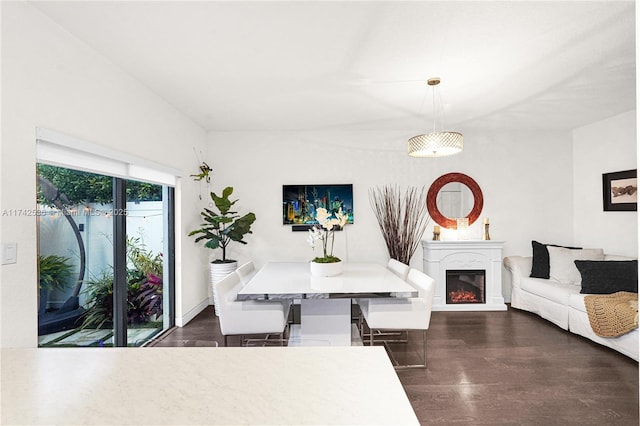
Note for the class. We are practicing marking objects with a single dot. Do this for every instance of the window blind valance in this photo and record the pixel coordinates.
(62, 150)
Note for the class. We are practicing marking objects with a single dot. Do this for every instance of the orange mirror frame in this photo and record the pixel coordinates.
(432, 197)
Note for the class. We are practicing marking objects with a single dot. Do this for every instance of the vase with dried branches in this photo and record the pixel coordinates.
(402, 217)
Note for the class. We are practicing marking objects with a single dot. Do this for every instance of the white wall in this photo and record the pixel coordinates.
(51, 80)
(525, 188)
(603, 147)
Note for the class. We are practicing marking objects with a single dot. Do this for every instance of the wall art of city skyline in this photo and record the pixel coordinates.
(300, 202)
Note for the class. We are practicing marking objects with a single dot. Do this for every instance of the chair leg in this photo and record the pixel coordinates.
(424, 355)
(283, 335)
(424, 346)
(395, 363)
(381, 333)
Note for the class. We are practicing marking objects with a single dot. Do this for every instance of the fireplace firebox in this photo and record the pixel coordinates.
(465, 286)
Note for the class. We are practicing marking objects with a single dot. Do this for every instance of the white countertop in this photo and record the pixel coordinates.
(294, 280)
(136, 386)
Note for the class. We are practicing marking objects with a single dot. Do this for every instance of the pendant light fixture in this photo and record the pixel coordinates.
(438, 143)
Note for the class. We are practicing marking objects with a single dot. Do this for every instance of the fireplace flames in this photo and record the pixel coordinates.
(462, 296)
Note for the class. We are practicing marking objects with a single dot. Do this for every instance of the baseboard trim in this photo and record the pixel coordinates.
(184, 320)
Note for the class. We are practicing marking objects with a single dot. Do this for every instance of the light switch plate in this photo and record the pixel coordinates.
(9, 253)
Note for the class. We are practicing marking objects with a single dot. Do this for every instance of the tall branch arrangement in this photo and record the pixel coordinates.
(402, 218)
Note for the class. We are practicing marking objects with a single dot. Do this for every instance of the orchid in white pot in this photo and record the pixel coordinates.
(325, 233)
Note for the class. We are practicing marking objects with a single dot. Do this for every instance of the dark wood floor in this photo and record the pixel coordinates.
(497, 368)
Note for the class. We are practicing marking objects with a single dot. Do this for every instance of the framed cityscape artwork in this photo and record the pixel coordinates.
(300, 202)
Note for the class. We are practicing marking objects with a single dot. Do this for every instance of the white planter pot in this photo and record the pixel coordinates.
(218, 271)
(325, 269)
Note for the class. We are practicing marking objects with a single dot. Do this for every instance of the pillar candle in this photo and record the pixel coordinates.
(486, 220)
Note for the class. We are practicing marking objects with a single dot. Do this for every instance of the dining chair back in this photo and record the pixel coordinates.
(248, 316)
(426, 287)
(398, 268)
(246, 271)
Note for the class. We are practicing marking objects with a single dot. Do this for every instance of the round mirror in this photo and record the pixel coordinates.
(453, 196)
(455, 200)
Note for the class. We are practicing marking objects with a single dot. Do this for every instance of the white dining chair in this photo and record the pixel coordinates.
(248, 316)
(414, 313)
(246, 271)
(398, 268)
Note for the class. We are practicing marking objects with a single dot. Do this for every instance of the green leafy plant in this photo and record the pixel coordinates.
(54, 272)
(204, 173)
(142, 259)
(221, 228)
(84, 187)
(99, 310)
(144, 277)
(144, 289)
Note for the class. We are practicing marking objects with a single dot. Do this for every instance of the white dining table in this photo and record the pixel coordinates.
(325, 311)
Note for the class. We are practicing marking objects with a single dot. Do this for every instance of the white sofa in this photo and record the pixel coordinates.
(562, 304)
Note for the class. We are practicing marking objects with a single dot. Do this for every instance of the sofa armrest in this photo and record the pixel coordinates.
(520, 267)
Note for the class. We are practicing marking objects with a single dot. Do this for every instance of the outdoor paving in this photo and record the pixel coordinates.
(48, 338)
(87, 337)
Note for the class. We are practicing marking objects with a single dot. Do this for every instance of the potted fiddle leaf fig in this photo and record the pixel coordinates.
(219, 230)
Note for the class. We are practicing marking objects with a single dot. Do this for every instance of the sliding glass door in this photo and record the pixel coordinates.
(105, 259)
(145, 264)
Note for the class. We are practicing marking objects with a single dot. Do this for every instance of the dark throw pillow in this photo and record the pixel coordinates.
(608, 276)
(540, 266)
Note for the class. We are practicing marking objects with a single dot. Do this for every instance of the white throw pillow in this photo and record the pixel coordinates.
(561, 266)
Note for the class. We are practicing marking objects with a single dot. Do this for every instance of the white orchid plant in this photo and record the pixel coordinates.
(328, 224)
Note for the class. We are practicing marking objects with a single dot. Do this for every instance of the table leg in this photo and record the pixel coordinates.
(327, 320)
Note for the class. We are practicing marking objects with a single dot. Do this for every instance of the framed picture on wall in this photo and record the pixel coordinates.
(620, 191)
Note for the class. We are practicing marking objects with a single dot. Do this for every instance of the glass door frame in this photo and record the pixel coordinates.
(120, 258)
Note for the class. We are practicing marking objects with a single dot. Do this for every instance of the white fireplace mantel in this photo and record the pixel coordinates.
(440, 256)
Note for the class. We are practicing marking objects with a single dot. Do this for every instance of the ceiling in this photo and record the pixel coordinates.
(348, 66)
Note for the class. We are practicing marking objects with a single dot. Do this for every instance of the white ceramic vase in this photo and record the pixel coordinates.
(218, 271)
(325, 269)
